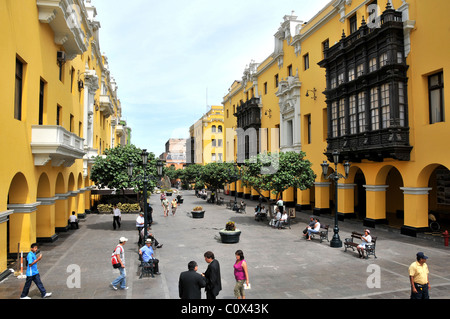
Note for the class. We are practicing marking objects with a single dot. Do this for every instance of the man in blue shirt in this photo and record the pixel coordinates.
(147, 255)
(33, 274)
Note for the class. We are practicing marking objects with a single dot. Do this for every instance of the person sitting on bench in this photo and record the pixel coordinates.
(146, 253)
(314, 230)
(282, 221)
(73, 221)
(364, 240)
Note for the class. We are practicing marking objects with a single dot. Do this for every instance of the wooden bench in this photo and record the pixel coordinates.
(146, 268)
(230, 204)
(369, 248)
(261, 216)
(323, 233)
(286, 223)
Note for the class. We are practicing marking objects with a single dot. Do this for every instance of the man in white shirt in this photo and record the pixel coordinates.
(280, 205)
(140, 223)
(274, 222)
(117, 216)
(73, 221)
(282, 220)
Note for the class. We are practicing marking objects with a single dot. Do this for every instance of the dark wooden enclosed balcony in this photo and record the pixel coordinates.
(373, 146)
(366, 92)
(248, 114)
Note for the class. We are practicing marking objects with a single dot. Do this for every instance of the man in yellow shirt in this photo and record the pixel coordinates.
(418, 275)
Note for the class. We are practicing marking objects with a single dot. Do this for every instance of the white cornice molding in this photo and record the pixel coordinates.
(66, 18)
(376, 188)
(4, 216)
(416, 190)
(24, 208)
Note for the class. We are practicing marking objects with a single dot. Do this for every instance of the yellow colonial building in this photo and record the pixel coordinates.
(60, 109)
(206, 138)
(364, 78)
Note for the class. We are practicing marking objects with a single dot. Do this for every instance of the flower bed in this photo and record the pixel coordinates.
(124, 208)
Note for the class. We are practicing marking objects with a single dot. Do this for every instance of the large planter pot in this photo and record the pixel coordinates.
(230, 237)
(198, 214)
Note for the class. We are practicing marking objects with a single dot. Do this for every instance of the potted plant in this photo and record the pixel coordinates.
(198, 212)
(230, 234)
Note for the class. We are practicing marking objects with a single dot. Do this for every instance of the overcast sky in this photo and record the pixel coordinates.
(173, 58)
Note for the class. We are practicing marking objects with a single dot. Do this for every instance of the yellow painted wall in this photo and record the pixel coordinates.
(428, 54)
(42, 193)
(230, 103)
(215, 117)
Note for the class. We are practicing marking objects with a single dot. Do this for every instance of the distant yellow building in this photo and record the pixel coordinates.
(206, 138)
(60, 108)
(365, 78)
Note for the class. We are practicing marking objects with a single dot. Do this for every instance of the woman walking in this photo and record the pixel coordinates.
(241, 275)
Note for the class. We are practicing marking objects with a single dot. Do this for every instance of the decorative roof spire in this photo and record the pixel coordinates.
(363, 22)
(389, 5)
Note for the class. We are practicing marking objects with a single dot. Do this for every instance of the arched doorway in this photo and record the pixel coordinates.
(45, 214)
(360, 195)
(20, 227)
(394, 199)
(60, 204)
(439, 196)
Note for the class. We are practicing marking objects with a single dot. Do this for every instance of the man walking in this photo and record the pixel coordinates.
(117, 217)
(280, 205)
(140, 224)
(191, 283)
(120, 254)
(33, 274)
(418, 275)
(212, 275)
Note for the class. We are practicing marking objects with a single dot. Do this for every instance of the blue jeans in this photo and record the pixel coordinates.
(37, 280)
(312, 231)
(122, 279)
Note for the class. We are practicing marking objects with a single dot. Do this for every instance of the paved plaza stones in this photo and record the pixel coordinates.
(282, 264)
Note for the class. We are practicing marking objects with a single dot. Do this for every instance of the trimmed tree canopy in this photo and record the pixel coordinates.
(111, 171)
(278, 172)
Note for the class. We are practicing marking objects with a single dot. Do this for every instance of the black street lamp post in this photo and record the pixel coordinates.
(145, 178)
(335, 241)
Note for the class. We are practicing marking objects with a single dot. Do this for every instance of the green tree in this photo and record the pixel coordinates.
(216, 175)
(190, 174)
(172, 173)
(111, 171)
(277, 172)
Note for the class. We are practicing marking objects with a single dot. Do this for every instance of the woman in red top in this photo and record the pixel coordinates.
(241, 275)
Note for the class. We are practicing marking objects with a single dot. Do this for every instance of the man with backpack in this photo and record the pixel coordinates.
(120, 255)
